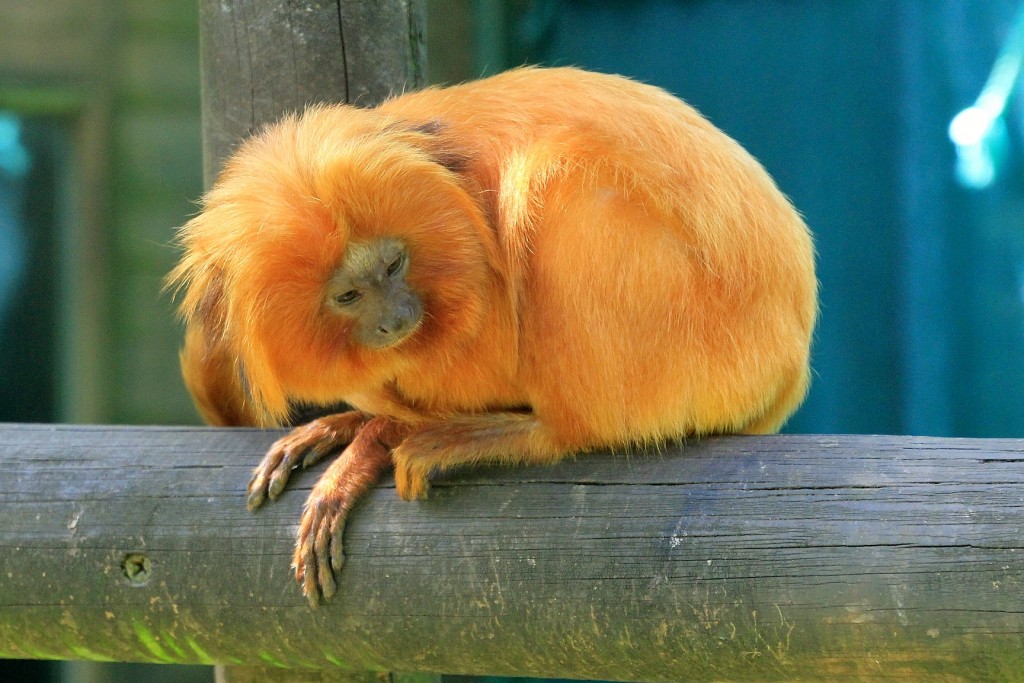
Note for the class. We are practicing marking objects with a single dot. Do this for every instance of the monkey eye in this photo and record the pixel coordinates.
(348, 298)
(396, 265)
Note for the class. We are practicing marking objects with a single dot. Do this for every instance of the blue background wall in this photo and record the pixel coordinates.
(847, 104)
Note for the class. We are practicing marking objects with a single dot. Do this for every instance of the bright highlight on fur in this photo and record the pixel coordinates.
(542, 262)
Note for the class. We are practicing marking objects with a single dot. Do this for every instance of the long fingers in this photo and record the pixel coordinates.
(304, 446)
(319, 548)
(319, 551)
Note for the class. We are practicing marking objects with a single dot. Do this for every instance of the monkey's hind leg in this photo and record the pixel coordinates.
(303, 446)
(512, 438)
(318, 548)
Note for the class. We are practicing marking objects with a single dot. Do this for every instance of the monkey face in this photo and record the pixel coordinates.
(370, 289)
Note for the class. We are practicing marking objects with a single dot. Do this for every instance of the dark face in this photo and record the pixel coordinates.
(370, 289)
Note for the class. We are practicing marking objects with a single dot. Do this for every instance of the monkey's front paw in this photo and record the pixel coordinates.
(318, 549)
(304, 446)
(271, 475)
(411, 478)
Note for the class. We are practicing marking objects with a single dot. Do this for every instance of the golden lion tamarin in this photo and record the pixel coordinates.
(510, 270)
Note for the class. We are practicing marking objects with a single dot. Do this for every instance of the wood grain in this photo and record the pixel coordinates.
(734, 558)
(262, 59)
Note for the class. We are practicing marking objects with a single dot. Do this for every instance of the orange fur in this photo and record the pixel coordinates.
(598, 266)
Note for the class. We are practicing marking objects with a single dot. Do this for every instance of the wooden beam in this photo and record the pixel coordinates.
(734, 558)
(265, 58)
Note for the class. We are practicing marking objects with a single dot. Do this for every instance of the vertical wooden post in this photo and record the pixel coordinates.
(264, 58)
(261, 59)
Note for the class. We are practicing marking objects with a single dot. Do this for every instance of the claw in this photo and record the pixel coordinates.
(337, 548)
(278, 479)
(312, 596)
(255, 499)
(305, 558)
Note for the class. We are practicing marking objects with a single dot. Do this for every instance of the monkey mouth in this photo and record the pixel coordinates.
(396, 330)
(392, 341)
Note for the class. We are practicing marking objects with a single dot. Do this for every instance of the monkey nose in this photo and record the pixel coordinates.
(399, 324)
(394, 326)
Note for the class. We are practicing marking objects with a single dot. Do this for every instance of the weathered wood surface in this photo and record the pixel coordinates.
(739, 558)
(265, 58)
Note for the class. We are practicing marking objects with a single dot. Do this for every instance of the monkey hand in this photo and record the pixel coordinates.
(304, 446)
(318, 549)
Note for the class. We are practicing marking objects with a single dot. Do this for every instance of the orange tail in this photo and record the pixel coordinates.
(215, 382)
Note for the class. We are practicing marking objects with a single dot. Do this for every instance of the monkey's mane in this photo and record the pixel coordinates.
(276, 225)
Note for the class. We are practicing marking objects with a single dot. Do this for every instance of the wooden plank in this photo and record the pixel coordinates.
(265, 58)
(734, 558)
